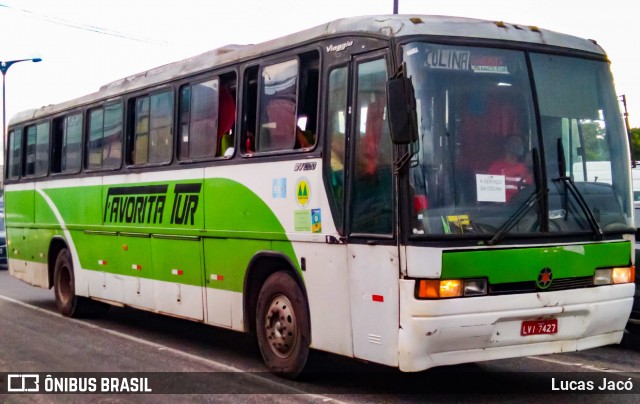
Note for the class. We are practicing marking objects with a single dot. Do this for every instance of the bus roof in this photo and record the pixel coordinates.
(385, 26)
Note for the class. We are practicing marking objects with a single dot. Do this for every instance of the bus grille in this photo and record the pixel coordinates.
(528, 287)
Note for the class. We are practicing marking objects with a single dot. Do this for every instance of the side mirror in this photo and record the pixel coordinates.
(401, 107)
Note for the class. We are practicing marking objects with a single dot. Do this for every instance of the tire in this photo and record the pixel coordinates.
(282, 324)
(67, 302)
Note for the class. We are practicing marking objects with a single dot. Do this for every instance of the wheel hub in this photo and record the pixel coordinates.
(281, 326)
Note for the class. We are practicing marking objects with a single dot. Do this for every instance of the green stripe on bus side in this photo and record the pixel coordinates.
(230, 209)
(28, 244)
(525, 264)
(77, 206)
(19, 207)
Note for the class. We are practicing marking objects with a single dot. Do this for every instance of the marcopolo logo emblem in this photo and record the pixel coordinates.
(544, 278)
(303, 192)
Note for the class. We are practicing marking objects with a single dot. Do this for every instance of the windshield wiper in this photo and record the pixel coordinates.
(531, 201)
(571, 186)
(582, 203)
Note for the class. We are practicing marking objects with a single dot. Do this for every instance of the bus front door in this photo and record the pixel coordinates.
(372, 249)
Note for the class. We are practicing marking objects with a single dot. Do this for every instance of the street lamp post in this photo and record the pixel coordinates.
(4, 67)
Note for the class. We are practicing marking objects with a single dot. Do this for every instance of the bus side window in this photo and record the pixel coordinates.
(336, 129)
(249, 109)
(37, 153)
(200, 116)
(67, 144)
(104, 146)
(153, 129)
(227, 117)
(140, 151)
(112, 141)
(94, 145)
(30, 156)
(307, 113)
(15, 154)
(278, 95)
(161, 128)
(371, 199)
(286, 116)
(207, 118)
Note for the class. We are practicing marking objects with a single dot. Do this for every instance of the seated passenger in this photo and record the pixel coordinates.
(280, 124)
(517, 174)
(304, 139)
(226, 122)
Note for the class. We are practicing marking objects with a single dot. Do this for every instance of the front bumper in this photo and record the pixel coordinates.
(451, 331)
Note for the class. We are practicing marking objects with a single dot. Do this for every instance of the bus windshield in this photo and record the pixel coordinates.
(485, 163)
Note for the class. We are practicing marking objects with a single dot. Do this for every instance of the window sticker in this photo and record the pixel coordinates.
(279, 188)
(412, 51)
(302, 220)
(491, 188)
(459, 220)
(316, 221)
(303, 192)
(457, 224)
(490, 69)
(489, 64)
(448, 59)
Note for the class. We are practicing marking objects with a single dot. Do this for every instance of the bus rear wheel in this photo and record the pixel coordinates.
(283, 328)
(67, 302)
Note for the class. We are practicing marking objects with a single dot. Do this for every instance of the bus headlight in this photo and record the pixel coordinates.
(624, 275)
(608, 276)
(475, 287)
(439, 289)
(451, 288)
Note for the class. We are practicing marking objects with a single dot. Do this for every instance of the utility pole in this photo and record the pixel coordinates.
(623, 98)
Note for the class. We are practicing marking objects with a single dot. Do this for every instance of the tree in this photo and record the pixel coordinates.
(595, 144)
(635, 143)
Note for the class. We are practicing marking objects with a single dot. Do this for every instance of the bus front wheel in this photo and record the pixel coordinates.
(67, 302)
(283, 328)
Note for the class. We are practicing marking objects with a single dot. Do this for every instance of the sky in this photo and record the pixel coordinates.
(87, 43)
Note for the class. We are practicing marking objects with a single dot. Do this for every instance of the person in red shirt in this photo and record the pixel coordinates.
(517, 174)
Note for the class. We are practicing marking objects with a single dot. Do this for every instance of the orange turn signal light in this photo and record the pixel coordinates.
(428, 289)
(444, 288)
(434, 288)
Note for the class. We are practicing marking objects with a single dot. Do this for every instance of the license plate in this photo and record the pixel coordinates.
(537, 327)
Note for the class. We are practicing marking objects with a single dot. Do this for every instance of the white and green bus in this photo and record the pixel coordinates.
(407, 190)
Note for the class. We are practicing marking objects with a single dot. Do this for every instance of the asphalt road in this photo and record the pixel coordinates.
(217, 365)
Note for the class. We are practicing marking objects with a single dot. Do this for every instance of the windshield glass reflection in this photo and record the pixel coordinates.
(474, 170)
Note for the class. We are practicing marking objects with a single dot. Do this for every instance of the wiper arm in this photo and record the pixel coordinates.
(571, 186)
(582, 203)
(531, 201)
